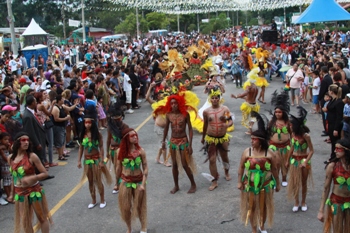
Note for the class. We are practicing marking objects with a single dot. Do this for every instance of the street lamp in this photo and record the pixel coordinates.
(177, 8)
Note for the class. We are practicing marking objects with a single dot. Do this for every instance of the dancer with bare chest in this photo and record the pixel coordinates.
(180, 145)
(217, 119)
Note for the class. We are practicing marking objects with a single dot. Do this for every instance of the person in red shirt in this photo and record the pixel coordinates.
(4, 117)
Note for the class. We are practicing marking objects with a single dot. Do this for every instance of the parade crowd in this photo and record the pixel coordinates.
(52, 105)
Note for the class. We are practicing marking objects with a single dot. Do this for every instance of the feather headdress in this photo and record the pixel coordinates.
(281, 101)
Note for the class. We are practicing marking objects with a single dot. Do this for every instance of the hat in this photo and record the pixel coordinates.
(214, 73)
(9, 108)
(348, 95)
(75, 96)
(22, 80)
(219, 60)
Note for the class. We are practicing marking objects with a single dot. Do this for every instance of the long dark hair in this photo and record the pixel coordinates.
(115, 127)
(95, 134)
(17, 144)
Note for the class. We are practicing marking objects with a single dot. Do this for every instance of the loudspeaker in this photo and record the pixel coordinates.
(270, 36)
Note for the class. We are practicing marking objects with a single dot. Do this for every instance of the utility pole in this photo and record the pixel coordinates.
(83, 20)
(137, 24)
(11, 20)
(197, 22)
(63, 20)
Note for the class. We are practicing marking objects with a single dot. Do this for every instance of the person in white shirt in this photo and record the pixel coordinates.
(13, 65)
(295, 77)
(127, 89)
(316, 90)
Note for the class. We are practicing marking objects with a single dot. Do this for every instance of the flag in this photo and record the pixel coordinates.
(73, 23)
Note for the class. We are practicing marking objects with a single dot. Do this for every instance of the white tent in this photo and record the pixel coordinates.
(34, 29)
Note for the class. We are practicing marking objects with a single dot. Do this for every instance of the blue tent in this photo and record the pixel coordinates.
(323, 11)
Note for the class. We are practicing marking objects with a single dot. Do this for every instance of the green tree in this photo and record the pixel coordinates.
(129, 25)
(157, 20)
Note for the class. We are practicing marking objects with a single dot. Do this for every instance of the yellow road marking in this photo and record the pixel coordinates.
(62, 163)
(79, 185)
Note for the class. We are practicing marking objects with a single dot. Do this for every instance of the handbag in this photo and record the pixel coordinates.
(48, 124)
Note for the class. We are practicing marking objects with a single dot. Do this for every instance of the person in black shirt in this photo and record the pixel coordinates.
(273, 25)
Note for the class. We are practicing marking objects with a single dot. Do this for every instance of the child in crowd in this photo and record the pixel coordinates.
(101, 114)
(5, 167)
(112, 94)
(316, 90)
(345, 133)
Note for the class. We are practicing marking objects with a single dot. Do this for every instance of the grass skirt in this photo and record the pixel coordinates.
(132, 203)
(336, 217)
(295, 178)
(100, 175)
(250, 201)
(189, 160)
(24, 214)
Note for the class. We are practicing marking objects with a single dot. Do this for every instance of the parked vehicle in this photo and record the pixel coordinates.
(115, 37)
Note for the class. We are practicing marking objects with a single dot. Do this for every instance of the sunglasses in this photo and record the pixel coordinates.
(132, 135)
(88, 121)
(255, 139)
(24, 139)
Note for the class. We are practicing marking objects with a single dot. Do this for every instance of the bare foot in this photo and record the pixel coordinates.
(158, 161)
(192, 189)
(227, 177)
(167, 164)
(174, 190)
(213, 186)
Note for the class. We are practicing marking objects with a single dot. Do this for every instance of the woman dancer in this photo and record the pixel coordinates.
(258, 181)
(280, 131)
(29, 195)
(261, 81)
(91, 144)
(299, 160)
(338, 170)
(115, 127)
(132, 170)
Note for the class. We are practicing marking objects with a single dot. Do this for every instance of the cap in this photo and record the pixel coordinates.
(22, 80)
(75, 96)
(9, 108)
(348, 95)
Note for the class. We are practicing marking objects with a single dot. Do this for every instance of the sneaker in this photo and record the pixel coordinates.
(3, 201)
(130, 111)
(284, 183)
(4, 196)
(139, 101)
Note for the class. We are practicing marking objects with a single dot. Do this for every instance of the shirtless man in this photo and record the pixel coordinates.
(250, 94)
(159, 123)
(216, 121)
(180, 145)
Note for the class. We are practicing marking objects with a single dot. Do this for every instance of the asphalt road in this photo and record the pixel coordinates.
(203, 211)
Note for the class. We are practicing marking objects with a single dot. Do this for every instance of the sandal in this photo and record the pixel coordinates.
(66, 155)
(62, 158)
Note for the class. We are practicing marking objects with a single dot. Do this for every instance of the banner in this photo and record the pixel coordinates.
(73, 23)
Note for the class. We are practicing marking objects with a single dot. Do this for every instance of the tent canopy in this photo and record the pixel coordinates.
(34, 29)
(323, 11)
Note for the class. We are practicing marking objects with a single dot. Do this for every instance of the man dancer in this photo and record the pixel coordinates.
(250, 94)
(217, 119)
(180, 146)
